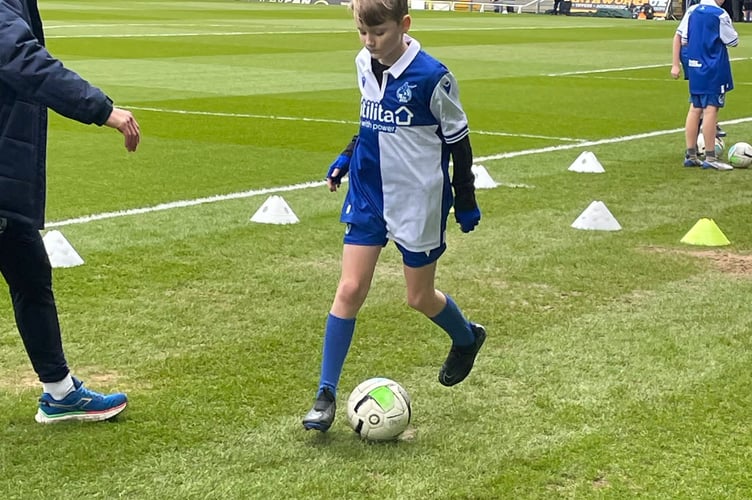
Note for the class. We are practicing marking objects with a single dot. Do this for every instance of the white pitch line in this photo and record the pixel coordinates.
(526, 136)
(241, 115)
(607, 70)
(295, 32)
(599, 142)
(139, 25)
(183, 203)
(564, 147)
(199, 33)
(633, 79)
(625, 68)
(324, 120)
(306, 185)
(622, 78)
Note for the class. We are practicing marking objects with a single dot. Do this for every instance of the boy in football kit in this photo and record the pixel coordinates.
(701, 40)
(411, 120)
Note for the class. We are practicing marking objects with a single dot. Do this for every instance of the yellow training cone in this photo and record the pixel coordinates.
(705, 232)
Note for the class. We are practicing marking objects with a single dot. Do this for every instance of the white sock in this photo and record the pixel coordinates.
(58, 390)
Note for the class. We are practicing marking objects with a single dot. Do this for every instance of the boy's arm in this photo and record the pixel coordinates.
(463, 179)
(446, 108)
(466, 211)
(729, 36)
(675, 51)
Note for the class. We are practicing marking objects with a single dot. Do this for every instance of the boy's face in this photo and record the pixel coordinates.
(385, 41)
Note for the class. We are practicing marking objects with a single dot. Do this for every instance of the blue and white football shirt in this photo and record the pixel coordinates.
(706, 29)
(400, 166)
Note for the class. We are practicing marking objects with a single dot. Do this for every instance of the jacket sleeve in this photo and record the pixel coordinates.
(33, 74)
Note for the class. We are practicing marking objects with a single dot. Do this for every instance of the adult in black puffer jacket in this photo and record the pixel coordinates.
(32, 80)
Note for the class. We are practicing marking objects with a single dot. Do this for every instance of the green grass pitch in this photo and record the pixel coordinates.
(617, 363)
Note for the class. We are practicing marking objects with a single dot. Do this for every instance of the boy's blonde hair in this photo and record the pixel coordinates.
(375, 12)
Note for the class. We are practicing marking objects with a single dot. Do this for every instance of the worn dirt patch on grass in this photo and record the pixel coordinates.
(727, 262)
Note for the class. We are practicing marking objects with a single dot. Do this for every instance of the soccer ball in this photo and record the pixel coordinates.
(719, 145)
(740, 155)
(379, 409)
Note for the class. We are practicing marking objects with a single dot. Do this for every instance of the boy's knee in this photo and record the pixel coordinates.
(351, 293)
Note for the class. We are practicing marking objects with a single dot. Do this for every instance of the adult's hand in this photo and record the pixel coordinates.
(124, 121)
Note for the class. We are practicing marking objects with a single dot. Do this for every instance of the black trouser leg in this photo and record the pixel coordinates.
(26, 268)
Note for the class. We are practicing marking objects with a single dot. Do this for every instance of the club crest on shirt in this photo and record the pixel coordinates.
(404, 92)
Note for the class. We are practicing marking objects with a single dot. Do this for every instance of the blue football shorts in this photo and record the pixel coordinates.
(374, 233)
(704, 100)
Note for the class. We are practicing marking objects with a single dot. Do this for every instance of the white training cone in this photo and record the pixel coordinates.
(275, 210)
(59, 251)
(587, 163)
(483, 179)
(597, 216)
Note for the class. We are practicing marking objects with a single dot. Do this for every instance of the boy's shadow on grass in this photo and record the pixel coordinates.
(345, 436)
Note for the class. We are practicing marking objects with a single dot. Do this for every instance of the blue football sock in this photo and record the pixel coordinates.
(452, 321)
(337, 339)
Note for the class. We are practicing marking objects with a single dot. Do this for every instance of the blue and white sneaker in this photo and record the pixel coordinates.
(692, 162)
(716, 164)
(80, 405)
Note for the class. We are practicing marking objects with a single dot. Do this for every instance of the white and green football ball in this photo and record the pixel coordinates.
(379, 409)
(740, 155)
(720, 146)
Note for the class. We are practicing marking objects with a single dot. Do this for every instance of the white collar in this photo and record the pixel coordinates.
(413, 47)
